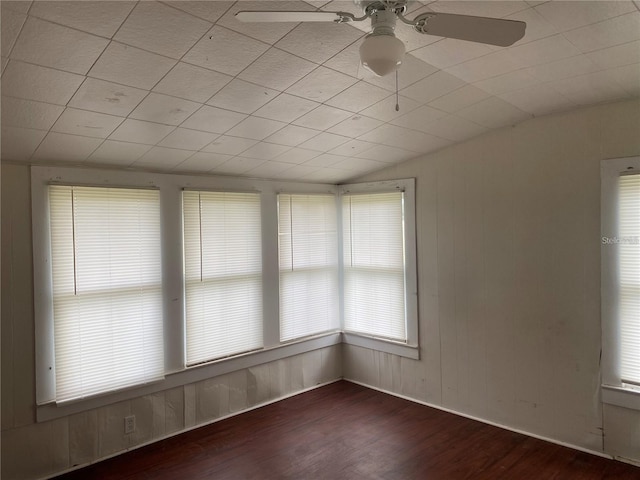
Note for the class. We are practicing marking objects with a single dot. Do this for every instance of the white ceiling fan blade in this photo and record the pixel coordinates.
(494, 31)
(275, 16)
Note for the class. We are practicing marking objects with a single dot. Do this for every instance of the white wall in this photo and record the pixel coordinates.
(509, 280)
(33, 450)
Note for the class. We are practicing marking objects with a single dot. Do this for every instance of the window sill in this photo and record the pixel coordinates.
(387, 346)
(621, 397)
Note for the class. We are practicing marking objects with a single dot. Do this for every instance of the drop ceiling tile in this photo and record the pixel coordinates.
(355, 126)
(407, 139)
(268, 169)
(432, 87)
(141, 132)
(286, 108)
(99, 18)
(162, 158)
(106, 97)
(202, 162)
(3, 63)
(88, 124)
(265, 151)
(358, 97)
(296, 172)
(277, 69)
(565, 68)
(386, 154)
(229, 145)
(385, 110)
(321, 84)
(352, 148)
(628, 77)
(225, 51)
(484, 67)
(266, 32)
(214, 120)
(318, 42)
(328, 175)
(625, 54)
(454, 128)
(347, 62)
(543, 51)
(60, 147)
(243, 97)
(538, 100)
(292, 135)
(508, 82)
(131, 66)
(537, 26)
(237, 166)
(18, 144)
(411, 70)
(191, 82)
(161, 29)
(449, 52)
(297, 155)
(482, 9)
(186, 139)
(324, 160)
(570, 15)
(19, 6)
(417, 119)
(111, 152)
(459, 99)
(164, 109)
(11, 23)
(23, 80)
(322, 118)
(591, 88)
(29, 114)
(256, 128)
(324, 142)
(493, 113)
(210, 11)
(615, 31)
(360, 165)
(44, 43)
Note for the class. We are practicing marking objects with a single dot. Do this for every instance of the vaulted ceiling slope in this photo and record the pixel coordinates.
(182, 86)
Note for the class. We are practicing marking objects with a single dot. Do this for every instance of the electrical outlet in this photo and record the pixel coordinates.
(130, 424)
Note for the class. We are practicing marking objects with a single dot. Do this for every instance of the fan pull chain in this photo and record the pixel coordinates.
(397, 98)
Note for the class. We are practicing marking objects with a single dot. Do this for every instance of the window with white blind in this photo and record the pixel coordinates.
(223, 274)
(308, 260)
(378, 245)
(106, 289)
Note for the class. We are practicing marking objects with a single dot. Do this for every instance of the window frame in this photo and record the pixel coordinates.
(171, 187)
(409, 349)
(614, 391)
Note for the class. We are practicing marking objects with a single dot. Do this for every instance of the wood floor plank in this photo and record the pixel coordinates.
(346, 431)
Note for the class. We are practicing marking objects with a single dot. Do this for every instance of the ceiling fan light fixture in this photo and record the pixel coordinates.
(382, 54)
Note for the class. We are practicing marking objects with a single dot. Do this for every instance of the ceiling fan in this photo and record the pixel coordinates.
(382, 52)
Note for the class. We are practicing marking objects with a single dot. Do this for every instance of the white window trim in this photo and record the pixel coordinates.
(171, 187)
(614, 392)
(409, 349)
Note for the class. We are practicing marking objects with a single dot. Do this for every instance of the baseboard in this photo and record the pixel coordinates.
(185, 430)
(489, 422)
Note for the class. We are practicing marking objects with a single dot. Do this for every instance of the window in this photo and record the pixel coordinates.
(308, 259)
(223, 274)
(378, 250)
(620, 255)
(107, 296)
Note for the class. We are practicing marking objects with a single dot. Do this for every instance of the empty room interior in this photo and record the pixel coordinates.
(320, 239)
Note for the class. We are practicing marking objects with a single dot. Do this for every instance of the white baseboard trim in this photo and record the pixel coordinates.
(488, 422)
(185, 430)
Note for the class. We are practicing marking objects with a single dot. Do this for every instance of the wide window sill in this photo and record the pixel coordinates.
(388, 346)
(621, 396)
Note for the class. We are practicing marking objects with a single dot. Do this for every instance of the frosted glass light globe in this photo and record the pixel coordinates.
(382, 54)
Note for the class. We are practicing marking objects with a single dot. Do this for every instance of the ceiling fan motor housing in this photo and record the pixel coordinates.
(381, 52)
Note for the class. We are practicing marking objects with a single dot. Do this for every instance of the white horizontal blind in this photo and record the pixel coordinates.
(107, 298)
(629, 277)
(373, 246)
(308, 254)
(223, 274)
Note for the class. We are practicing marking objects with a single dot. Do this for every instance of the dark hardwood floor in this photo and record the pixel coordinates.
(345, 431)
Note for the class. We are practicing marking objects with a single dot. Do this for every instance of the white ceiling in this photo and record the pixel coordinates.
(182, 86)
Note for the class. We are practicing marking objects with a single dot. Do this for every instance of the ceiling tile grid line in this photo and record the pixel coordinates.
(573, 55)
